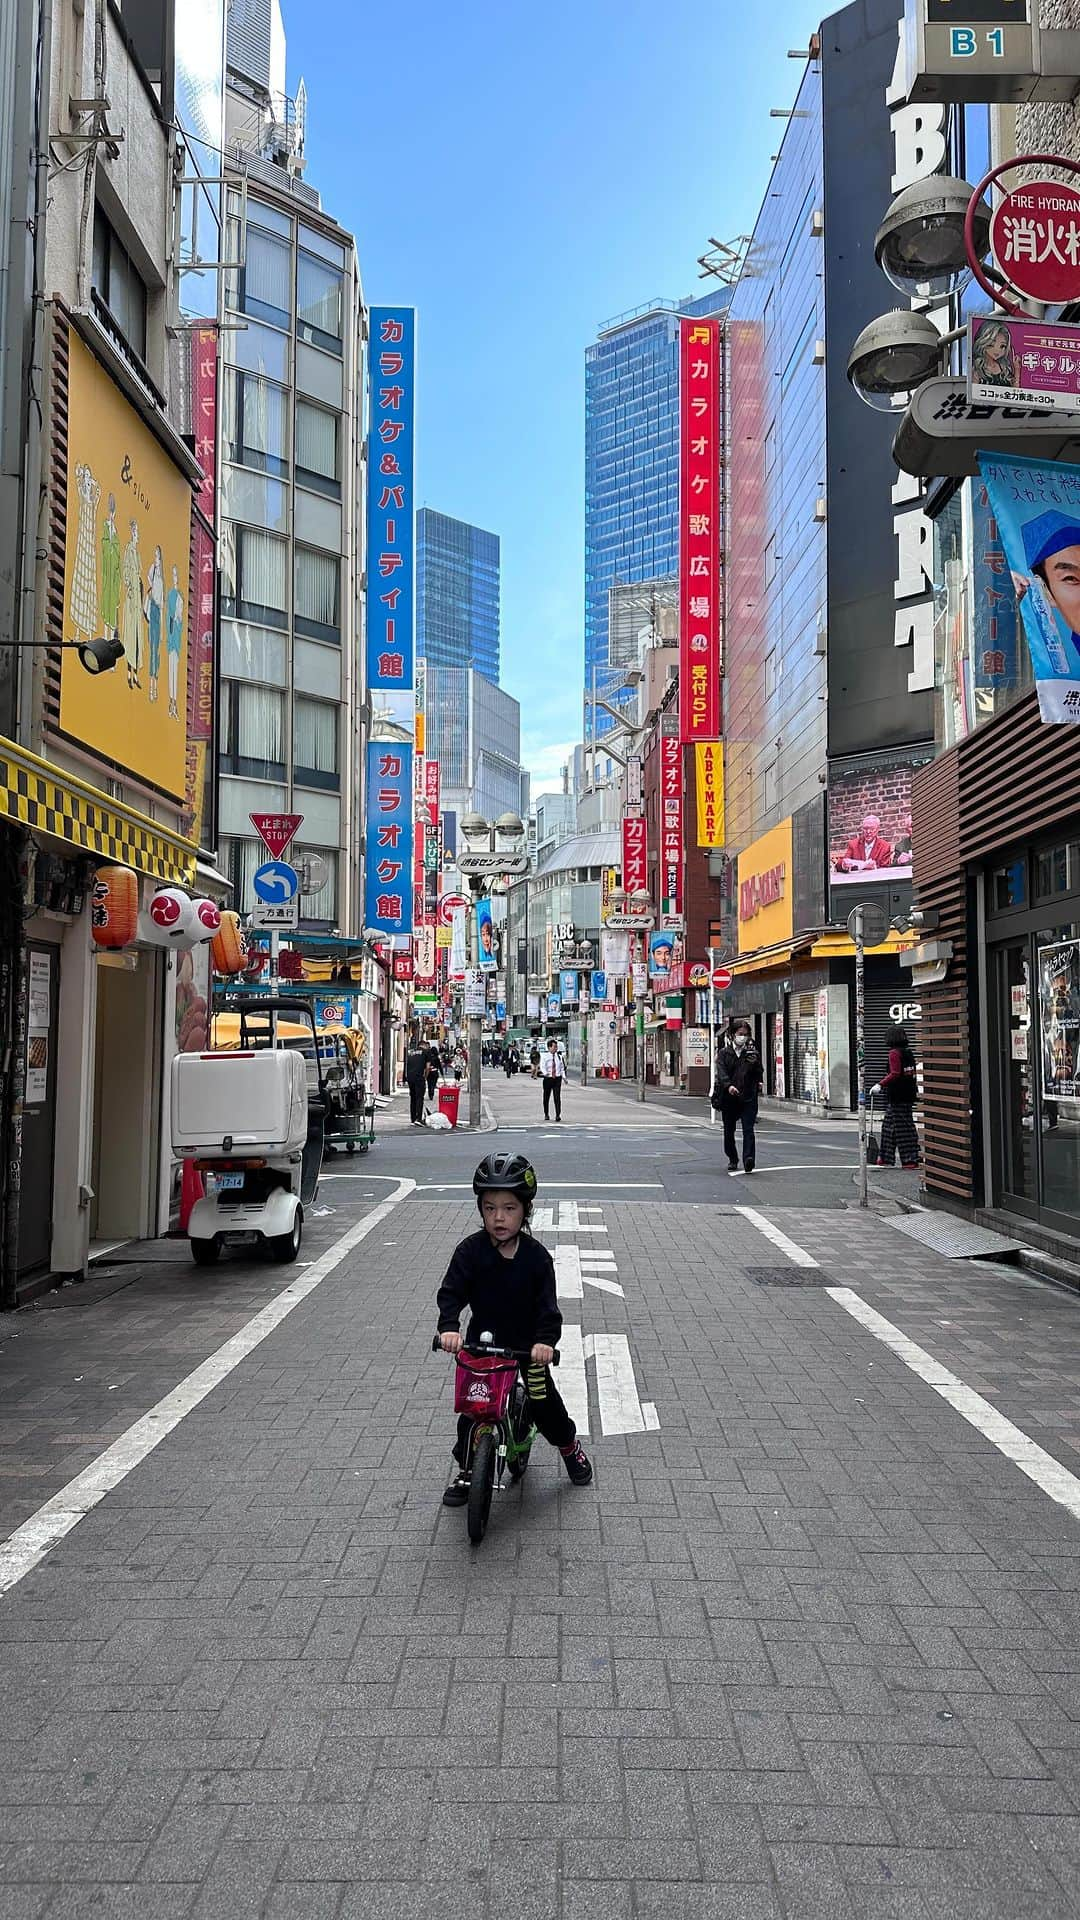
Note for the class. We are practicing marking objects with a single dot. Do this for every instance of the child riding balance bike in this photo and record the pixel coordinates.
(507, 1280)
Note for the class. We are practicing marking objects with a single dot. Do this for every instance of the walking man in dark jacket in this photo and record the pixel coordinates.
(739, 1074)
(416, 1063)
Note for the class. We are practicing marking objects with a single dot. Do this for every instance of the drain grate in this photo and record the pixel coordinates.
(787, 1277)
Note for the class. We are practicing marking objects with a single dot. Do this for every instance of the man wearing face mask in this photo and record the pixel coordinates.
(739, 1074)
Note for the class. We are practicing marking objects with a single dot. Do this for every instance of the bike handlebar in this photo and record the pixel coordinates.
(503, 1353)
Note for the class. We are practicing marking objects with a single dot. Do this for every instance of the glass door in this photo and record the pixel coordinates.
(1016, 1141)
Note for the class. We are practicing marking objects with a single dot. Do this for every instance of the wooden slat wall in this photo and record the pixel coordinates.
(944, 1034)
(1018, 779)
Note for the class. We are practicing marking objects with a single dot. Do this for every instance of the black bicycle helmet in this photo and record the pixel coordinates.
(505, 1173)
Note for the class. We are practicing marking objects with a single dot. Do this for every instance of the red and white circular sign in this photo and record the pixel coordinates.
(722, 978)
(447, 905)
(1035, 240)
(698, 974)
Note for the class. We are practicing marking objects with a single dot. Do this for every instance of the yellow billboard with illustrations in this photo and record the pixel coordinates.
(126, 578)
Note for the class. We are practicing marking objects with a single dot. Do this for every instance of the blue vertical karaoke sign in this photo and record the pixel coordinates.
(390, 650)
(388, 874)
(390, 499)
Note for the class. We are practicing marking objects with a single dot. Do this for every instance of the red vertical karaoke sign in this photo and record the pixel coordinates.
(635, 871)
(699, 530)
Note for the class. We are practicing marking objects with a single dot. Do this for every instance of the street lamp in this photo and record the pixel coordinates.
(919, 245)
(489, 852)
(893, 356)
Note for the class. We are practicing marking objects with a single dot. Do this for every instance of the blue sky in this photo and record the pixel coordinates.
(521, 174)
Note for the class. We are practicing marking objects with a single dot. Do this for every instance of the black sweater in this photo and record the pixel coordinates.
(514, 1300)
(739, 1073)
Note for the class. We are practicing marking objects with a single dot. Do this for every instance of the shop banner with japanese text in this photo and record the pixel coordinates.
(635, 871)
(1036, 504)
(699, 529)
(388, 890)
(671, 826)
(709, 770)
(390, 501)
(431, 792)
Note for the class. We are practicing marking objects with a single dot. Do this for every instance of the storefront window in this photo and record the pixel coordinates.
(1058, 987)
(1057, 871)
(1009, 886)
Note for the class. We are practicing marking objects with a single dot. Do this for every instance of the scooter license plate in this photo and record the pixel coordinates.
(224, 1181)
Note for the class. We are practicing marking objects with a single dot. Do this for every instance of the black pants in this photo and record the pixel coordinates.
(898, 1130)
(544, 1406)
(432, 1085)
(746, 1111)
(416, 1099)
(552, 1085)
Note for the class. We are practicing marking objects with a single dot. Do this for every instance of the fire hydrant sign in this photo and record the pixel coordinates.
(1035, 240)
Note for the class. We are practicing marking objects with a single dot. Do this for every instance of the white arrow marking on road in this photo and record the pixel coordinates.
(571, 1278)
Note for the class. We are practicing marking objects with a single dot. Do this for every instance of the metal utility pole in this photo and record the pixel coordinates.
(476, 1020)
(639, 1023)
(712, 1038)
(860, 1046)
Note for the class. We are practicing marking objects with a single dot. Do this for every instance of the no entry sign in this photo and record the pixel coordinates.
(722, 978)
(1035, 240)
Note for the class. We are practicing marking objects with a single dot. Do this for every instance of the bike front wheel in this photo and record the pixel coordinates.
(480, 1486)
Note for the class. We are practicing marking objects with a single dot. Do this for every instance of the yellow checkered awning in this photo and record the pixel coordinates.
(49, 800)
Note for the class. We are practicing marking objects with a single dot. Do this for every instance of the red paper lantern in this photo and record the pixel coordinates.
(114, 907)
(228, 948)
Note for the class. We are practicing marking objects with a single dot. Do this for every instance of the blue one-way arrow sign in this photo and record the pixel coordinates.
(275, 882)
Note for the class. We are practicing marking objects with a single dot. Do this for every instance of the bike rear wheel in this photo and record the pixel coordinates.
(480, 1485)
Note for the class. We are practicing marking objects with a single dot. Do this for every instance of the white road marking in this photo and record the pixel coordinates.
(570, 1377)
(571, 1277)
(23, 1549)
(564, 1216)
(465, 1186)
(650, 1415)
(616, 1386)
(1040, 1466)
(797, 1254)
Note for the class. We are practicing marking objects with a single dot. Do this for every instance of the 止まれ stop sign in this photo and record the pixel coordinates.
(722, 978)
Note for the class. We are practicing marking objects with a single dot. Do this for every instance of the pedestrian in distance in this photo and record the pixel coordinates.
(739, 1073)
(900, 1088)
(534, 1060)
(507, 1281)
(434, 1070)
(554, 1070)
(416, 1064)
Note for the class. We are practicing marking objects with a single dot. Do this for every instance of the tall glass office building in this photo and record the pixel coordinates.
(457, 594)
(632, 460)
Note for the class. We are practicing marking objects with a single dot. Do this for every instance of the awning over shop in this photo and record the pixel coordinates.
(51, 801)
(838, 946)
(769, 959)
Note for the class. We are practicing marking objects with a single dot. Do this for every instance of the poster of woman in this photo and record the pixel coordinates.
(1059, 1019)
(993, 362)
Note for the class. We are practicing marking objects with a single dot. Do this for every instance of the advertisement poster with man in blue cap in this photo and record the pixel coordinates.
(1036, 504)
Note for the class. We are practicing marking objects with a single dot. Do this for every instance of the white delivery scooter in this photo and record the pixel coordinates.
(253, 1123)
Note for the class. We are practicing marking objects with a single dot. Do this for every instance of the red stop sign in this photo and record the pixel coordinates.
(722, 978)
(1035, 240)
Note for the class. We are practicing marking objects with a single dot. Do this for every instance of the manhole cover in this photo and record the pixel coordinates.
(788, 1277)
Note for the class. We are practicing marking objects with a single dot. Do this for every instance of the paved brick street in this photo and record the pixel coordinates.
(805, 1648)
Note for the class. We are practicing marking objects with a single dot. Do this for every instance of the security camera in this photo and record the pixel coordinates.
(893, 356)
(919, 245)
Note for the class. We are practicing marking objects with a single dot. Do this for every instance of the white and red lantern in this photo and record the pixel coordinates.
(114, 907)
(169, 920)
(207, 919)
